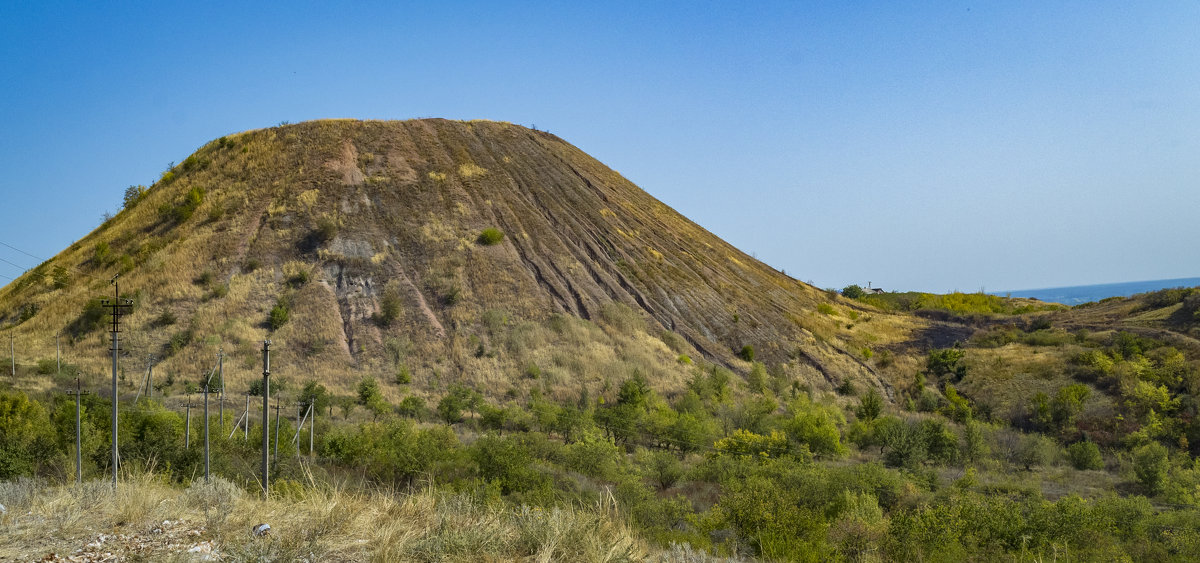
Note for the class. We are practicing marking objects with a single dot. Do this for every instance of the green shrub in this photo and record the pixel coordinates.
(490, 236)
(167, 318)
(826, 309)
(279, 313)
(1085, 455)
(870, 406)
(403, 376)
(279, 316)
(945, 362)
(368, 389)
(300, 278)
(747, 353)
(47, 366)
(28, 310)
(389, 308)
(853, 291)
(846, 387)
(61, 277)
(1150, 464)
(412, 407)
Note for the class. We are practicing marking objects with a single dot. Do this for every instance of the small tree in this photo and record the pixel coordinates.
(1150, 463)
(133, 194)
(315, 394)
(368, 389)
(853, 291)
(450, 408)
(870, 405)
(1085, 455)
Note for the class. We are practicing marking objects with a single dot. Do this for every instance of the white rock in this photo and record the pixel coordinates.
(262, 530)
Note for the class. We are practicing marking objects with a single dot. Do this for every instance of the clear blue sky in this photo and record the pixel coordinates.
(931, 146)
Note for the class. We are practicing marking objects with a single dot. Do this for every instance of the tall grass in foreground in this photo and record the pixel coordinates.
(314, 523)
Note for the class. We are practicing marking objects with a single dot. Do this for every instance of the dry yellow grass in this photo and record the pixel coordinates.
(146, 519)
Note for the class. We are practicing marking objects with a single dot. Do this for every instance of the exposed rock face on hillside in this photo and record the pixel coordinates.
(373, 238)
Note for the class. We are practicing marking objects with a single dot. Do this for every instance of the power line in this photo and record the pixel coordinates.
(22, 251)
(43, 260)
(13, 264)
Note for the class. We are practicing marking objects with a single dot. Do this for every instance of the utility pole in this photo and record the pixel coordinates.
(312, 426)
(187, 429)
(276, 454)
(78, 439)
(149, 382)
(117, 307)
(221, 391)
(206, 383)
(266, 393)
(246, 437)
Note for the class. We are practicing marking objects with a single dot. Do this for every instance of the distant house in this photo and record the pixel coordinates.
(873, 290)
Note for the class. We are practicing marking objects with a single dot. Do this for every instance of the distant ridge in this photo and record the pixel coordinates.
(1075, 295)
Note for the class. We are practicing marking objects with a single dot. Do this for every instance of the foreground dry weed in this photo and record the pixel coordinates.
(92, 522)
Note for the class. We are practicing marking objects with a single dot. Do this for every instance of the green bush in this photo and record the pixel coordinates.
(368, 390)
(1150, 464)
(279, 313)
(945, 362)
(389, 308)
(853, 291)
(490, 236)
(47, 366)
(412, 407)
(747, 353)
(1085, 455)
(870, 406)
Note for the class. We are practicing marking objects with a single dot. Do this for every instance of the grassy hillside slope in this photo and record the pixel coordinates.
(453, 251)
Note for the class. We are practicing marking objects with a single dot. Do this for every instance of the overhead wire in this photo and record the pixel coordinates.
(44, 260)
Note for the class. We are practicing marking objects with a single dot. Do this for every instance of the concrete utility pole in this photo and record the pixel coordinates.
(246, 415)
(206, 383)
(276, 453)
(221, 390)
(266, 393)
(187, 429)
(149, 382)
(78, 439)
(117, 307)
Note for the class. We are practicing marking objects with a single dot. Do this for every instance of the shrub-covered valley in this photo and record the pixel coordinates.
(514, 353)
